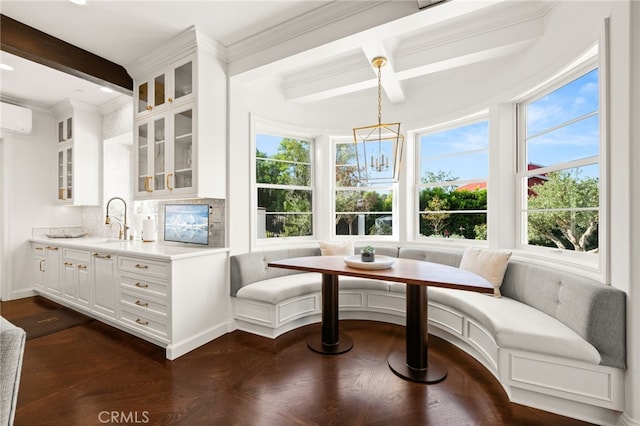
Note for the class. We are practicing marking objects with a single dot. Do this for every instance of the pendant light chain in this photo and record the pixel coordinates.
(379, 95)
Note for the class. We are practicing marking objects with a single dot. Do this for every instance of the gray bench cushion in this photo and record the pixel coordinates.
(450, 258)
(252, 267)
(276, 290)
(595, 311)
(518, 326)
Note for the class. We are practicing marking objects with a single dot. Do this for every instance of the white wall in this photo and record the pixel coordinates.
(29, 200)
(116, 145)
(632, 413)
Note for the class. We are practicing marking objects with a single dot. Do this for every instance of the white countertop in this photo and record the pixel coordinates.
(156, 250)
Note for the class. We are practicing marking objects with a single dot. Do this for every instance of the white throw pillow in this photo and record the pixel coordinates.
(342, 248)
(489, 264)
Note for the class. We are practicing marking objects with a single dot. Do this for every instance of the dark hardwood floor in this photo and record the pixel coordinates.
(94, 374)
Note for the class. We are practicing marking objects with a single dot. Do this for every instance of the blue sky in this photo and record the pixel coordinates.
(268, 143)
(576, 141)
(463, 151)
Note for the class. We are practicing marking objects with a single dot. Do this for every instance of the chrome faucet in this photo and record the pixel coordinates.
(124, 228)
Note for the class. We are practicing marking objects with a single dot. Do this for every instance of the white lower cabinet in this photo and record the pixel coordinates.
(38, 267)
(52, 271)
(76, 277)
(104, 284)
(179, 304)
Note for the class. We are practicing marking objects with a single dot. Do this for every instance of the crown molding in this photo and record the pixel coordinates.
(307, 23)
(502, 16)
(314, 38)
(180, 46)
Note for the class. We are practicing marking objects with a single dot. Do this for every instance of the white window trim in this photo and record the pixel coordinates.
(392, 187)
(272, 127)
(595, 266)
(417, 186)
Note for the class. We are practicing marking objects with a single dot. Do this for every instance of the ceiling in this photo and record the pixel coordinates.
(312, 49)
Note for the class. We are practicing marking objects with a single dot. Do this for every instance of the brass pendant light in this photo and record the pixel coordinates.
(379, 146)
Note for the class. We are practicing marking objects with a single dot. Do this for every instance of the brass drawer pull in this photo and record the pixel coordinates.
(142, 266)
(169, 187)
(68, 264)
(82, 267)
(143, 304)
(102, 256)
(52, 248)
(139, 284)
(139, 321)
(39, 248)
(147, 183)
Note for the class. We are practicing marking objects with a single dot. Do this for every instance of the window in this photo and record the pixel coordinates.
(451, 186)
(284, 185)
(558, 164)
(360, 207)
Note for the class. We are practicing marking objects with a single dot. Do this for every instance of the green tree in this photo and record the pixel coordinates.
(346, 169)
(347, 202)
(565, 229)
(288, 166)
(435, 215)
(448, 197)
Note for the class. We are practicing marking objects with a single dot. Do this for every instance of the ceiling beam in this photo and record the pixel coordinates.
(389, 81)
(29, 43)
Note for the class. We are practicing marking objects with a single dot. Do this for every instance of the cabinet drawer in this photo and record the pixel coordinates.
(144, 286)
(38, 249)
(143, 322)
(77, 255)
(149, 268)
(143, 303)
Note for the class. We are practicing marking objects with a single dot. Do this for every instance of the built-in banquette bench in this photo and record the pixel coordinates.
(555, 341)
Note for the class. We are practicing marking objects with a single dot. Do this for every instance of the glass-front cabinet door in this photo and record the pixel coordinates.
(182, 81)
(143, 184)
(61, 175)
(143, 97)
(159, 150)
(151, 94)
(65, 129)
(69, 171)
(65, 174)
(151, 156)
(182, 149)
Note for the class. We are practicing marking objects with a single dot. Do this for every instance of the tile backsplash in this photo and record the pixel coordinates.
(94, 217)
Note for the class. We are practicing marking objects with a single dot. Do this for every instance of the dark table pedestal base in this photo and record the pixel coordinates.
(330, 341)
(345, 343)
(433, 374)
(413, 363)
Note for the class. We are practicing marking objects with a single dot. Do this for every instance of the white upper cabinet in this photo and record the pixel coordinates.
(78, 127)
(180, 120)
(159, 91)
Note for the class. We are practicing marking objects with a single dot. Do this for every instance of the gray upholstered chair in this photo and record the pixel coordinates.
(12, 340)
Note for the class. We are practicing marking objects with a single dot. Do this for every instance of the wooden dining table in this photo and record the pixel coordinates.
(412, 363)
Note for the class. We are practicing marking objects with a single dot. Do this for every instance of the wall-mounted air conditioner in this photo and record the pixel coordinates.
(15, 118)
